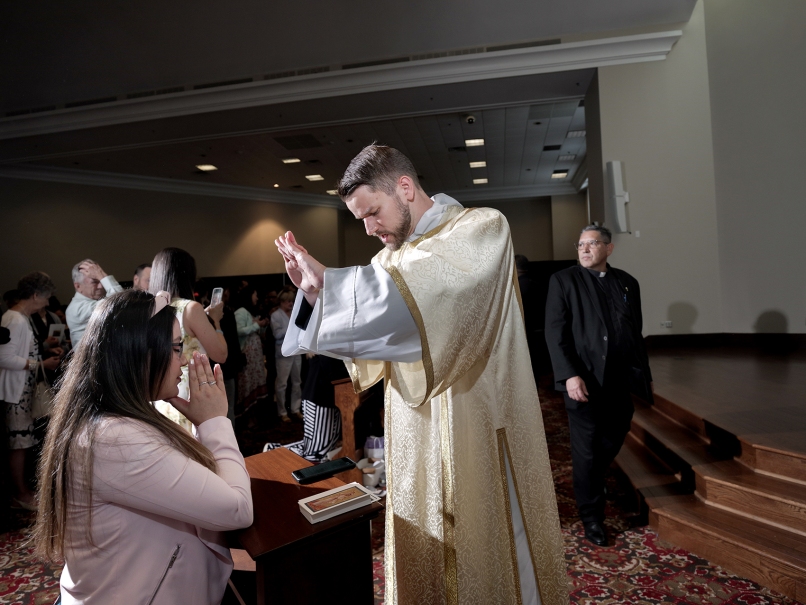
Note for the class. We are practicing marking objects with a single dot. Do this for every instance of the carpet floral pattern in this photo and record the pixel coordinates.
(23, 579)
(636, 568)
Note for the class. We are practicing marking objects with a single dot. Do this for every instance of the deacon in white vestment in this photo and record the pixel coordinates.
(471, 515)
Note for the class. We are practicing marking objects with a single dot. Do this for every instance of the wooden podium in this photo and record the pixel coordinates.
(348, 401)
(296, 561)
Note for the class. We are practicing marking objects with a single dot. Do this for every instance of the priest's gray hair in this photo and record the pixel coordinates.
(607, 236)
(378, 167)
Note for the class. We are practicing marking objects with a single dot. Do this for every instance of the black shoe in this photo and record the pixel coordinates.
(595, 533)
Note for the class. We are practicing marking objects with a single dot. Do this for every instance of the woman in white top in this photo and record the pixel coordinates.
(173, 270)
(18, 364)
(286, 366)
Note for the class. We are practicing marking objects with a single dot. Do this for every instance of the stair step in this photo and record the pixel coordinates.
(643, 468)
(771, 556)
(648, 476)
(676, 446)
(681, 415)
(732, 485)
(782, 463)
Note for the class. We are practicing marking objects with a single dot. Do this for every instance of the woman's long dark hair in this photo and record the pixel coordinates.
(245, 299)
(174, 271)
(116, 371)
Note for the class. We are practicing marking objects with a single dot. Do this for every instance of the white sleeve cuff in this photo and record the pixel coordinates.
(111, 285)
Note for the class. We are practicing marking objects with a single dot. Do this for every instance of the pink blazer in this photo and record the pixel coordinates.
(157, 518)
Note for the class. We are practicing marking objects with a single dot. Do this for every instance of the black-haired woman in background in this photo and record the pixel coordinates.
(252, 378)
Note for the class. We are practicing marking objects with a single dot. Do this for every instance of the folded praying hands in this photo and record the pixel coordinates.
(305, 271)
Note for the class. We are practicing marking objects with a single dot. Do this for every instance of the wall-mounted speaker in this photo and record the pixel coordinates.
(617, 198)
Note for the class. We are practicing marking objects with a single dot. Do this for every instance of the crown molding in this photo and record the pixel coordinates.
(505, 194)
(276, 196)
(408, 74)
(148, 183)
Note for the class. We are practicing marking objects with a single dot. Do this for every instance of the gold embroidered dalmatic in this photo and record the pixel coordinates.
(456, 418)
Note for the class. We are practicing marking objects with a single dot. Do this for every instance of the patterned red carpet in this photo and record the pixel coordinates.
(637, 568)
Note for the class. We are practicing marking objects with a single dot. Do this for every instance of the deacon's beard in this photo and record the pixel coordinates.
(401, 232)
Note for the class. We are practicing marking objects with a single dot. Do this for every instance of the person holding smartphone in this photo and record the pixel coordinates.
(174, 271)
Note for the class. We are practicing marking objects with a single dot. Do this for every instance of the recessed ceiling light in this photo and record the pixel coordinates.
(478, 164)
(479, 181)
(291, 160)
(474, 142)
(566, 158)
(559, 174)
(332, 192)
(277, 184)
(576, 134)
(206, 167)
(314, 177)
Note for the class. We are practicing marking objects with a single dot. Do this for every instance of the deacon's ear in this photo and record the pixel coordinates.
(407, 185)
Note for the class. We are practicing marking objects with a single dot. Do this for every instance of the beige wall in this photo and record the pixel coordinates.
(51, 226)
(757, 71)
(569, 214)
(656, 118)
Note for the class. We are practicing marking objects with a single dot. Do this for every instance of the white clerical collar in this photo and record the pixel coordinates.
(433, 216)
(597, 273)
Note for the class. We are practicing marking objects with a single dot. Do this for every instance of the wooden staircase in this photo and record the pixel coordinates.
(739, 505)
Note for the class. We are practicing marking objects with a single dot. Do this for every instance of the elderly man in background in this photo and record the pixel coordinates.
(91, 284)
(142, 277)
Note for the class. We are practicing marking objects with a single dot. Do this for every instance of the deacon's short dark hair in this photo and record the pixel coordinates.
(378, 167)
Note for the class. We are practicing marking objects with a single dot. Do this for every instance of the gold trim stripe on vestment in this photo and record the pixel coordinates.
(389, 547)
(523, 517)
(448, 519)
(517, 287)
(353, 369)
(428, 365)
(513, 551)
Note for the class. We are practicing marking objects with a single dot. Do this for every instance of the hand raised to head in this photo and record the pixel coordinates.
(92, 269)
(305, 271)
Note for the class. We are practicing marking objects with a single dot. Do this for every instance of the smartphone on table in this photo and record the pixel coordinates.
(320, 472)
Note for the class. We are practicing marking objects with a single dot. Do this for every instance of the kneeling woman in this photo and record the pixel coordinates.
(132, 503)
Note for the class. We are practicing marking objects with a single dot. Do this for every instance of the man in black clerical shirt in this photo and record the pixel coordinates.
(593, 333)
